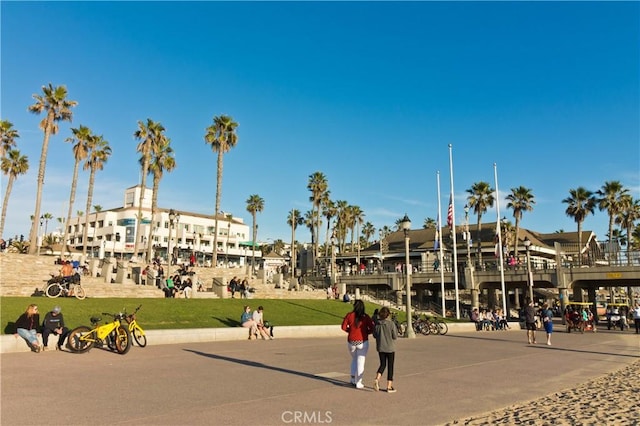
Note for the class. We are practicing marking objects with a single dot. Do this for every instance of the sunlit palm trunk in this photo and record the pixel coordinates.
(33, 235)
(253, 243)
(154, 211)
(85, 231)
(218, 196)
(5, 202)
(479, 225)
(72, 200)
(145, 171)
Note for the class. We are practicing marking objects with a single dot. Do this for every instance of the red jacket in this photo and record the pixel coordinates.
(361, 331)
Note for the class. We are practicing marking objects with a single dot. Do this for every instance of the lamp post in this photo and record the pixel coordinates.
(405, 222)
(173, 218)
(333, 259)
(381, 251)
(527, 245)
(40, 235)
(467, 234)
(226, 255)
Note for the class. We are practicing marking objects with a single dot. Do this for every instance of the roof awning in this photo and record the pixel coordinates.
(248, 244)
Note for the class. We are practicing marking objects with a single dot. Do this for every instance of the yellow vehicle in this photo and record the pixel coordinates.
(112, 334)
(134, 328)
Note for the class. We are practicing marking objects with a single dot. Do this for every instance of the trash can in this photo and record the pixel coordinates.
(135, 274)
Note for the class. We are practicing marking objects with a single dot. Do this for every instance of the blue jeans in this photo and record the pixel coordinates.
(29, 335)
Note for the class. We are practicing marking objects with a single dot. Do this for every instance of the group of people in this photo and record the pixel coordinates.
(179, 283)
(239, 286)
(531, 315)
(28, 327)
(358, 326)
(256, 324)
(489, 319)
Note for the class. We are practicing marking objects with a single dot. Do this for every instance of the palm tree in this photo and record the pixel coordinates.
(520, 200)
(81, 137)
(47, 217)
(609, 198)
(580, 202)
(429, 223)
(627, 217)
(221, 135)
(357, 219)
(255, 204)
(99, 153)
(480, 199)
(319, 187)
(54, 103)
(329, 211)
(161, 160)
(309, 223)
(13, 164)
(293, 220)
(8, 136)
(368, 231)
(148, 134)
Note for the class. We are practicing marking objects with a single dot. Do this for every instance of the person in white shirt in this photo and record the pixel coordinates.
(259, 320)
(636, 317)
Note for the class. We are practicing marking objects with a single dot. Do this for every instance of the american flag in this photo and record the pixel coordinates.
(450, 212)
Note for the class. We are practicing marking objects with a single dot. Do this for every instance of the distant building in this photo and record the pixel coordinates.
(112, 233)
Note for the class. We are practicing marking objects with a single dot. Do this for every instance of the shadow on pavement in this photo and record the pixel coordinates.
(270, 367)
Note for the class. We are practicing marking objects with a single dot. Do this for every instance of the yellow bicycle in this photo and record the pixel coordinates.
(134, 328)
(115, 335)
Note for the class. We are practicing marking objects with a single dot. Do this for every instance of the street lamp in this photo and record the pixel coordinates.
(333, 258)
(527, 245)
(467, 234)
(39, 235)
(226, 255)
(173, 218)
(405, 222)
(381, 251)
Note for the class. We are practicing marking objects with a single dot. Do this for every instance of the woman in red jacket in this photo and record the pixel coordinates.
(358, 326)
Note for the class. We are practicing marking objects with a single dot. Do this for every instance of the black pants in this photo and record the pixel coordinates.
(46, 332)
(637, 324)
(384, 358)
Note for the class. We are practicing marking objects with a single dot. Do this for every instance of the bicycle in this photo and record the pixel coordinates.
(437, 326)
(134, 328)
(400, 326)
(57, 286)
(115, 335)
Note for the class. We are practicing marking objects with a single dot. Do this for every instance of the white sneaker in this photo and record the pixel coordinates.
(359, 385)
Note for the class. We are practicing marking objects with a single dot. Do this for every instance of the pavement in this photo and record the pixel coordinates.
(302, 380)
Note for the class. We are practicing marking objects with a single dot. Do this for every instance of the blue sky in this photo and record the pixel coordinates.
(369, 93)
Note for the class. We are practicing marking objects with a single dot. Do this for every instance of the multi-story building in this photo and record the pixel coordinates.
(113, 233)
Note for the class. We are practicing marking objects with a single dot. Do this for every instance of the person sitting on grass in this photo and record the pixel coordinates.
(246, 320)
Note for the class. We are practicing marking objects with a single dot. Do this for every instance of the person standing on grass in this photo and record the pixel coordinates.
(530, 321)
(358, 326)
(386, 333)
(547, 321)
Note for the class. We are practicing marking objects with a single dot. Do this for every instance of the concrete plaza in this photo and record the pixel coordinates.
(302, 381)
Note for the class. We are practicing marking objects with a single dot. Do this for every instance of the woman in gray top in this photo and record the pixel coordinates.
(386, 334)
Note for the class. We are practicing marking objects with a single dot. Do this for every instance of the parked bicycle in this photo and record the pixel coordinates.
(402, 327)
(64, 286)
(134, 328)
(112, 334)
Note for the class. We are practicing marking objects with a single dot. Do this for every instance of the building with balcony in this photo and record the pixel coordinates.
(112, 233)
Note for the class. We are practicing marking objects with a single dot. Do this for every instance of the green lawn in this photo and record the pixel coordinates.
(185, 313)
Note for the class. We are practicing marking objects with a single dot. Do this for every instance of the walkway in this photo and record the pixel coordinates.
(439, 379)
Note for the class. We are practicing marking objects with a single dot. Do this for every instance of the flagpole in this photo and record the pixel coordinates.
(453, 234)
(500, 245)
(440, 254)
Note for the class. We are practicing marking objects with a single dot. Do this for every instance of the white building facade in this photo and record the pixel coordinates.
(112, 233)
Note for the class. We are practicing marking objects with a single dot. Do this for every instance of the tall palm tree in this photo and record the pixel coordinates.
(520, 200)
(580, 203)
(54, 103)
(368, 231)
(99, 153)
(47, 217)
(480, 199)
(609, 198)
(13, 164)
(341, 226)
(357, 219)
(329, 211)
(8, 136)
(627, 217)
(221, 135)
(318, 186)
(81, 137)
(309, 223)
(148, 135)
(293, 220)
(255, 204)
(162, 159)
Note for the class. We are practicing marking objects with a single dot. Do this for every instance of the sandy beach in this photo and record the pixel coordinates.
(616, 402)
